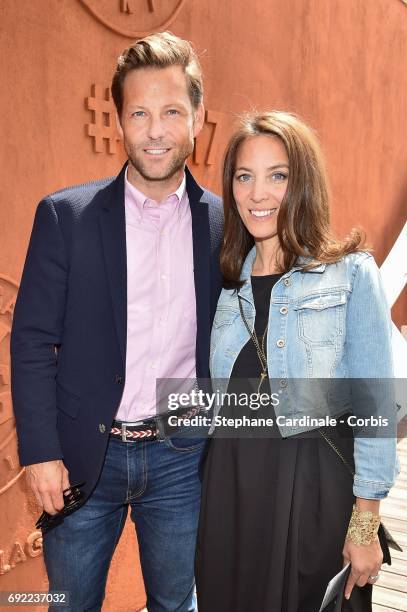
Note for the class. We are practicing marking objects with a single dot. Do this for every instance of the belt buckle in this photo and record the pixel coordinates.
(124, 428)
(124, 432)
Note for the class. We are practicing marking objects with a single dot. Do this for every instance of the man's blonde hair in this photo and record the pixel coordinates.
(159, 50)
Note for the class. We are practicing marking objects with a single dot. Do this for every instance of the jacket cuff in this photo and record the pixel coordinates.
(28, 454)
(371, 490)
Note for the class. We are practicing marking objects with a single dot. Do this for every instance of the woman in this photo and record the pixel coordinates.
(277, 519)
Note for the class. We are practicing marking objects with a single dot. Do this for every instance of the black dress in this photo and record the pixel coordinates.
(274, 511)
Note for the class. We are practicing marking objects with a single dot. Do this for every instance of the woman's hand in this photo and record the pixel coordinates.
(366, 561)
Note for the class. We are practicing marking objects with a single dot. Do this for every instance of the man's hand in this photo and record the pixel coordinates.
(47, 480)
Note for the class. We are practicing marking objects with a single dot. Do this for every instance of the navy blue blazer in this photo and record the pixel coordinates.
(68, 341)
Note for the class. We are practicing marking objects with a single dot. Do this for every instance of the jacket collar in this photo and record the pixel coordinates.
(194, 191)
(248, 264)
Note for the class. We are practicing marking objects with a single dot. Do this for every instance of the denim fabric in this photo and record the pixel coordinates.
(331, 322)
(160, 481)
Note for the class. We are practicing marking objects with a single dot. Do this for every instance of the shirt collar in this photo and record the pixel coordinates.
(139, 199)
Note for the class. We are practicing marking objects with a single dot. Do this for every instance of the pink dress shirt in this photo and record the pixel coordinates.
(161, 308)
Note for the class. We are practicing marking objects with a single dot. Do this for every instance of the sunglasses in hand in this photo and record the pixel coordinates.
(73, 498)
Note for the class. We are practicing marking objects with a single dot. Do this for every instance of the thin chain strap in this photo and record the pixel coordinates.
(337, 451)
(260, 350)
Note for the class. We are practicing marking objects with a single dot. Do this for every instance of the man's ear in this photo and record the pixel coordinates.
(119, 126)
(199, 119)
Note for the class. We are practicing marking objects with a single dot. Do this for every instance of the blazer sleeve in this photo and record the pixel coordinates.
(36, 333)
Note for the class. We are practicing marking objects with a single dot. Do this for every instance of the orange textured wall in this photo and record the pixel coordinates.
(341, 64)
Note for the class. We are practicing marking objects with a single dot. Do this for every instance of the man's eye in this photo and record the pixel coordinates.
(138, 114)
(243, 178)
(173, 111)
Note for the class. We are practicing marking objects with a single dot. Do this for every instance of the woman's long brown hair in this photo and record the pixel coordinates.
(303, 223)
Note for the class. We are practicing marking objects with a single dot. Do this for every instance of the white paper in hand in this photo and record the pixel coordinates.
(336, 587)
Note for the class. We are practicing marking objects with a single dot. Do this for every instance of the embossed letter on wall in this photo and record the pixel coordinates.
(129, 6)
(10, 470)
(134, 18)
(20, 553)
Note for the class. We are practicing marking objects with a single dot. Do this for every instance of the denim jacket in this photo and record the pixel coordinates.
(330, 322)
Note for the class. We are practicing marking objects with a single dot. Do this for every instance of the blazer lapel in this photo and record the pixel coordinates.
(113, 231)
(201, 253)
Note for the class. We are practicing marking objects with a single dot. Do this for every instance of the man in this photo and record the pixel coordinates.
(119, 288)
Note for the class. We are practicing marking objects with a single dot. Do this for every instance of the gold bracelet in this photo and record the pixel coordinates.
(363, 526)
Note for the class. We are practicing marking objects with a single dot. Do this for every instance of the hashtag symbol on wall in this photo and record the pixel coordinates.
(103, 125)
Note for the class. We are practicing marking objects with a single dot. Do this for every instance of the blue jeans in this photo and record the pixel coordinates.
(160, 480)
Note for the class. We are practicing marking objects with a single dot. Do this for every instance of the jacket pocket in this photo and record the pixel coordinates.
(321, 318)
(220, 340)
(67, 401)
(224, 317)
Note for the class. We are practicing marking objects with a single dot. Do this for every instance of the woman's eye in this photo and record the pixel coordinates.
(243, 178)
(279, 176)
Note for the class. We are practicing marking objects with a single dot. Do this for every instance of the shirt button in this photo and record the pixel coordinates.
(283, 310)
(280, 343)
(283, 383)
(286, 282)
(118, 379)
(102, 428)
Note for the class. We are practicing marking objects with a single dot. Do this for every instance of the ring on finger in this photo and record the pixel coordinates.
(374, 578)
